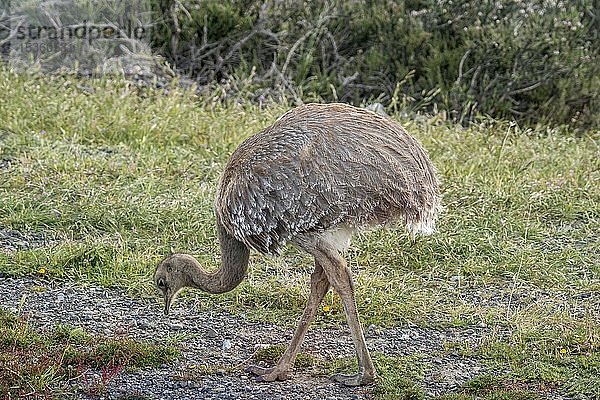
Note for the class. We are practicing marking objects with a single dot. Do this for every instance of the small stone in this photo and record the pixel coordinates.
(120, 330)
(373, 330)
(226, 344)
(210, 333)
(143, 324)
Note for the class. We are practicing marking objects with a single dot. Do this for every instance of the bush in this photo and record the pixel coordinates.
(529, 61)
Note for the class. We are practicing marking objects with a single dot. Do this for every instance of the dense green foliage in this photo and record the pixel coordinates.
(530, 61)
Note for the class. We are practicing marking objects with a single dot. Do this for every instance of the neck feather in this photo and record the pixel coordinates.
(234, 264)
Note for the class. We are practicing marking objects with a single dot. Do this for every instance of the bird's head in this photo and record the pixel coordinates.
(173, 274)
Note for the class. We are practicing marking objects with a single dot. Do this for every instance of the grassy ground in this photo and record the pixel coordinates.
(46, 364)
(118, 176)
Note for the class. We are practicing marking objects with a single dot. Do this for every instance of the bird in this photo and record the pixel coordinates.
(314, 178)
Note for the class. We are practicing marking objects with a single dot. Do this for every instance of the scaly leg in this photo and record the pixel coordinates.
(339, 276)
(318, 288)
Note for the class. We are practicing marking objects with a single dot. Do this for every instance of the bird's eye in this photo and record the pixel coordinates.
(160, 283)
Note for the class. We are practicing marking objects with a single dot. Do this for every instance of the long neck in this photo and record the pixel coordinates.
(234, 263)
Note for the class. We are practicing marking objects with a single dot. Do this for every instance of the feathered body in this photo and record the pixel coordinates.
(314, 177)
(322, 168)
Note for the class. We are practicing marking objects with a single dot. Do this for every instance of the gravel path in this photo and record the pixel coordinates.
(224, 343)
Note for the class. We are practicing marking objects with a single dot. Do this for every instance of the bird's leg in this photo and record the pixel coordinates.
(339, 276)
(318, 288)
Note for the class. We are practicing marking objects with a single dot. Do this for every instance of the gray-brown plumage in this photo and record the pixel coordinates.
(316, 176)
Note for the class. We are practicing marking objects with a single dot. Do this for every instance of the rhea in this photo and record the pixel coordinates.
(314, 178)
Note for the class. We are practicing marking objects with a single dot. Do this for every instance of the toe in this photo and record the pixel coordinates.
(268, 374)
(273, 376)
(256, 370)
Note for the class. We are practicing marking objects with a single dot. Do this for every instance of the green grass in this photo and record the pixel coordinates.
(117, 176)
(271, 355)
(45, 364)
(397, 376)
(569, 360)
(490, 387)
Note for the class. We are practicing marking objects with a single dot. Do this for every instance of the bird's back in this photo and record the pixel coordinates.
(321, 166)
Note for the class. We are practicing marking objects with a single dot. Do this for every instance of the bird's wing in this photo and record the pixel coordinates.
(281, 189)
(269, 198)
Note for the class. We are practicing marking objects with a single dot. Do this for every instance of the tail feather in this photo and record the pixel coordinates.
(425, 223)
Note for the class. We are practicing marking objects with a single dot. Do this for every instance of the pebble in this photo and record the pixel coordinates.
(175, 327)
(210, 333)
(143, 324)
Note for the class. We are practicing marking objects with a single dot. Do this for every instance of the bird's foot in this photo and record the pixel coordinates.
(277, 373)
(354, 379)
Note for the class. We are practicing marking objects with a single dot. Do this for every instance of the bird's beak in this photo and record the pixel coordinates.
(167, 303)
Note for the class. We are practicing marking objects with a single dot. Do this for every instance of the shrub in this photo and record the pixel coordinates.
(529, 61)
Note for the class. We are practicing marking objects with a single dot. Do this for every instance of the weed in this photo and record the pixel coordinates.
(271, 355)
(45, 364)
(491, 387)
(398, 377)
